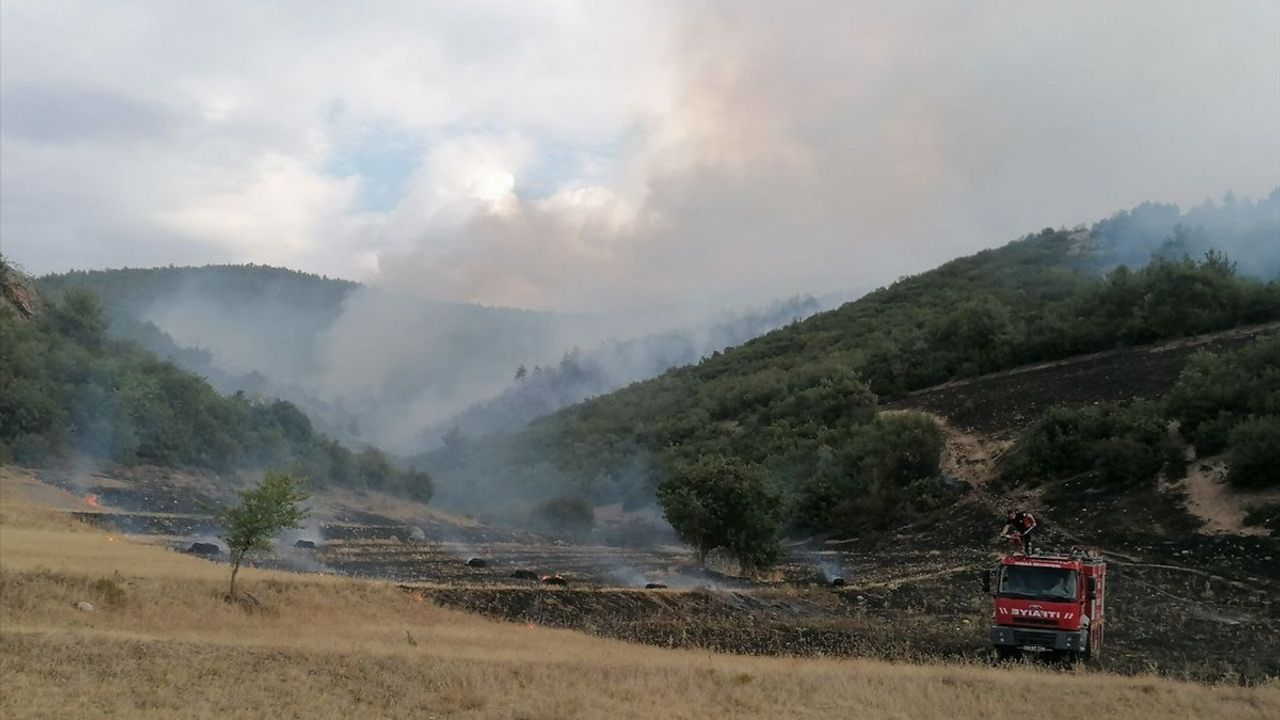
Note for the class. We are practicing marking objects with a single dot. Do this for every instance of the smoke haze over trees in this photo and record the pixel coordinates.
(371, 366)
(67, 389)
(583, 374)
(801, 401)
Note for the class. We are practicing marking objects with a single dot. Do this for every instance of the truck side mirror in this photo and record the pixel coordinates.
(986, 582)
(1093, 588)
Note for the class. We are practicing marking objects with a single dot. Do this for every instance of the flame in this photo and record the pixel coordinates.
(417, 597)
(111, 538)
(91, 500)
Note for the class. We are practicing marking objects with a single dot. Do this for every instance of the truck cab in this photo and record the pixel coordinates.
(1048, 603)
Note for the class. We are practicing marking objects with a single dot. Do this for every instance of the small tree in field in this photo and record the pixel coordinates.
(721, 503)
(273, 505)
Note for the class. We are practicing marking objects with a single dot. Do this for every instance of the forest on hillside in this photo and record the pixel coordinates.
(69, 390)
(800, 402)
(372, 366)
(581, 374)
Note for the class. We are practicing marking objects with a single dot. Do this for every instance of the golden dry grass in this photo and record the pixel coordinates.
(167, 646)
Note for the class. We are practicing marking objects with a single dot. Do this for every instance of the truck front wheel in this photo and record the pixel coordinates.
(1005, 653)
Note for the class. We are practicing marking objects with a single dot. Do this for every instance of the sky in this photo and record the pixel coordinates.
(593, 155)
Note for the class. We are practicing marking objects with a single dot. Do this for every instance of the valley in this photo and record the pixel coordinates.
(1185, 602)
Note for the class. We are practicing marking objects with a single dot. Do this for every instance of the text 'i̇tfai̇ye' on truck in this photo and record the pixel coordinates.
(1048, 603)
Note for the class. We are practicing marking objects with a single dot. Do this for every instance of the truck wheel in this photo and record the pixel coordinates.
(1004, 653)
(1093, 649)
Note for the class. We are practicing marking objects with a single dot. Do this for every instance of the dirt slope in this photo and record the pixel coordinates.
(1221, 508)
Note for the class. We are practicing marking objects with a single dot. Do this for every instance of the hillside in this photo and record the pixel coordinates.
(369, 365)
(70, 393)
(581, 374)
(800, 401)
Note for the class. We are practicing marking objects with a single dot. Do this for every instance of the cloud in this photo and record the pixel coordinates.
(582, 155)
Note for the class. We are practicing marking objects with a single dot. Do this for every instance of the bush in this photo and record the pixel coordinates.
(567, 515)
(1123, 460)
(901, 448)
(1118, 443)
(109, 589)
(1215, 392)
(418, 485)
(1255, 453)
(888, 468)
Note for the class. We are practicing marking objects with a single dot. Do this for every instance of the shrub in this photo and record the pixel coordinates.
(1118, 443)
(1123, 459)
(1255, 453)
(1215, 392)
(567, 515)
(109, 589)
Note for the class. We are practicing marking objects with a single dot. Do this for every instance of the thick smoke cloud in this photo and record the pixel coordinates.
(369, 365)
(813, 145)
(589, 156)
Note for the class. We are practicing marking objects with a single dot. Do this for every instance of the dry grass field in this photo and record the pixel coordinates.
(162, 644)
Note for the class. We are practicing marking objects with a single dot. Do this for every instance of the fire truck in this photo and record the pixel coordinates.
(1048, 603)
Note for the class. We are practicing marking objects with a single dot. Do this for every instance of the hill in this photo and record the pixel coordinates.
(613, 364)
(801, 401)
(71, 393)
(369, 365)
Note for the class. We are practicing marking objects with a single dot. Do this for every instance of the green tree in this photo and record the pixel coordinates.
(79, 317)
(716, 502)
(273, 505)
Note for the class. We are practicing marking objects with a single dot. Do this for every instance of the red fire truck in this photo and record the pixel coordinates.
(1048, 603)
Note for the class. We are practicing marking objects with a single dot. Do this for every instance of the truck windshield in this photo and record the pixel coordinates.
(1038, 583)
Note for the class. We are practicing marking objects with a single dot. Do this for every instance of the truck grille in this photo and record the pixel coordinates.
(1033, 637)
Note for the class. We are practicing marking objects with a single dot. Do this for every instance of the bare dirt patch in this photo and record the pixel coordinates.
(1221, 508)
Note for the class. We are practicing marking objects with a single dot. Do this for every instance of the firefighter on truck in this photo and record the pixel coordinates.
(1018, 527)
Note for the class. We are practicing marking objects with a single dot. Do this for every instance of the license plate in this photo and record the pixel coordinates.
(1035, 648)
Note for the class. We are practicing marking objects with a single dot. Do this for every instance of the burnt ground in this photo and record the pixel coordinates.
(1000, 404)
(1184, 604)
(1181, 602)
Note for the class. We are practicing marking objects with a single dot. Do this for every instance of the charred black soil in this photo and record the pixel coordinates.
(1001, 403)
(1191, 605)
